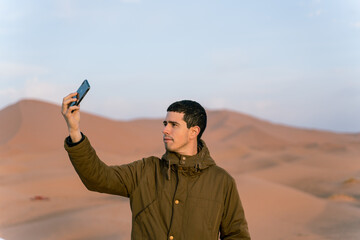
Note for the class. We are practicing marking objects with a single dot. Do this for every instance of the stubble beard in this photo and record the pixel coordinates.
(167, 147)
(173, 148)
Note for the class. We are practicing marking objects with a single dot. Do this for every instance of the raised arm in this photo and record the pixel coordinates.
(95, 174)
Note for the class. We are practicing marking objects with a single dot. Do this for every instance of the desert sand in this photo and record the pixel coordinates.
(294, 183)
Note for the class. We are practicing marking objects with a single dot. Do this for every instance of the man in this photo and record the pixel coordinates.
(181, 196)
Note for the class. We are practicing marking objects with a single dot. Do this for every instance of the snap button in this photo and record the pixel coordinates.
(171, 237)
(177, 202)
(184, 158)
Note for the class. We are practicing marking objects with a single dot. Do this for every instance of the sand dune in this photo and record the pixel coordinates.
(294, 183)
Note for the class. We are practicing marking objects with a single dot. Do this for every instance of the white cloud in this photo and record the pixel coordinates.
(20, 81)
(217, 103)
(356, 24)
(230, 56)
(34, 89)
(16, 70)
(8, 92)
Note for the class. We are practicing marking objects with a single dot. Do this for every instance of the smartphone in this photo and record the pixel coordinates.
(81, 92)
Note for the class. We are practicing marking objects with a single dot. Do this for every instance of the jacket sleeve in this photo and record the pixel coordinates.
(97, 176)
(233, 224)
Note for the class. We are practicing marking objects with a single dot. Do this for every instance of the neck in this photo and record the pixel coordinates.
(193, 151)
(190, 150)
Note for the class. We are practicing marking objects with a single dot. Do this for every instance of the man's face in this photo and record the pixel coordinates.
(176, 134)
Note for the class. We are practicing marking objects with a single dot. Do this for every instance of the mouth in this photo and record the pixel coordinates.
(167, 139)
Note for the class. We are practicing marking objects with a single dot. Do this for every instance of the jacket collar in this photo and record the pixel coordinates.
(196, 163)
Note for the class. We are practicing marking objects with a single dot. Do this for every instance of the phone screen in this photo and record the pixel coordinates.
(81, 92)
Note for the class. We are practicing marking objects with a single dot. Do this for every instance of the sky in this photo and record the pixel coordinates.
(291, 62)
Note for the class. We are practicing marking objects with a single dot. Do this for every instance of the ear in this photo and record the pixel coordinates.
(194, 132)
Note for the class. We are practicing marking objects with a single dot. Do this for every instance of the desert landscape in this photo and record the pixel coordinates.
(295, 184)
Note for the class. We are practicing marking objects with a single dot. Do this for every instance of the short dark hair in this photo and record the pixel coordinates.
(194, 114)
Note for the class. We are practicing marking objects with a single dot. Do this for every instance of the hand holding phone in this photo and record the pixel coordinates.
(81, 92)
(73, 119)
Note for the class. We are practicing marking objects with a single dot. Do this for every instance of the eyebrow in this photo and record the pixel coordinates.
(172, 122)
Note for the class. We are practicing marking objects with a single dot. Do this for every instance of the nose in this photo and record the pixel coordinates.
(165, 130)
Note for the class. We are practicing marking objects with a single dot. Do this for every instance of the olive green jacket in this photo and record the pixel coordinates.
(193, 199)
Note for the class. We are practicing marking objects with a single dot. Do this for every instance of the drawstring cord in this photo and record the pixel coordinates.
(169, 169)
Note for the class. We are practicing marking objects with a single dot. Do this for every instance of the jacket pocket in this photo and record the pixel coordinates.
(203, 217)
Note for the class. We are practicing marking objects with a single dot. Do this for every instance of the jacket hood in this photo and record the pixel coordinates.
(189, 165)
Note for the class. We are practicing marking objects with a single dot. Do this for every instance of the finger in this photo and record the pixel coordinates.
(67, 100)
(70, 100)
(66, 105)
(69, 96)
(72, 109)
(72, 94)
